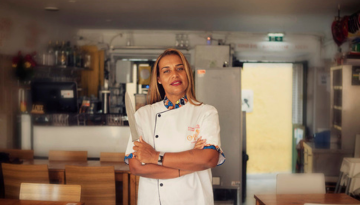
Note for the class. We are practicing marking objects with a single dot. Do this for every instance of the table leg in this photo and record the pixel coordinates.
(125, 188)
(132, 189)
(137, 179)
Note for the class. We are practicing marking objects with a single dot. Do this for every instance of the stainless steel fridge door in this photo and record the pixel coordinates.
(221, 88)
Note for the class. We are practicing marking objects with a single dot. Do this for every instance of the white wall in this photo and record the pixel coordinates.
(21, 31)
(247, 47)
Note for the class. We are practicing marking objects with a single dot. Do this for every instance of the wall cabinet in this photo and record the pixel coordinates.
(345, 105)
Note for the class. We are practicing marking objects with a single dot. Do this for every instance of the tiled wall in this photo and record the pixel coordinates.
(8, 104)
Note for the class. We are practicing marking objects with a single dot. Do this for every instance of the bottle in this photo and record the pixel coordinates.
(62, 55)
(50, 55)
(74, 56)
(56, 53)
(87, 59)
(186, 41)
(181, 40)
(69, 55)
(79, 59)
(177, 40)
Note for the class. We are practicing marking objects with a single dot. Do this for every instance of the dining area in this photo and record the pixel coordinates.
(65, 177)
(301, 189)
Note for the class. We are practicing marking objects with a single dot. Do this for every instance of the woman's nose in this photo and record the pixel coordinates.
(175, 73)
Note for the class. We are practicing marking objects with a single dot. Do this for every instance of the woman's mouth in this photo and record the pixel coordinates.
(176, 83)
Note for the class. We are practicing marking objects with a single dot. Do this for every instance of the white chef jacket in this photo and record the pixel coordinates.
(176, 130)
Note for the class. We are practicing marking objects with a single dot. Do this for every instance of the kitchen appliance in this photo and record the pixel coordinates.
(104, 97)
(55, 97)
(221, 88)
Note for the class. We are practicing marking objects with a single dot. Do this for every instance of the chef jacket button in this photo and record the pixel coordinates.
(156, 136)
(159, 115)
(161, 184)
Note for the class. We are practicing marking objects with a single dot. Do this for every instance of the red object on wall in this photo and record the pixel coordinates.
(339, 29)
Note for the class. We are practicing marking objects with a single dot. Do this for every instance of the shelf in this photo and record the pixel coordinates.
(337, 87)
(148, 48)
(113, 106)
(60, 67)
(337, 127)
(337, 107)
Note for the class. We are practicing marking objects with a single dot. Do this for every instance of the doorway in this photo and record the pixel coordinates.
(269, 120)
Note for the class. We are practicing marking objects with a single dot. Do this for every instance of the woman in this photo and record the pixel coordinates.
(175, 171)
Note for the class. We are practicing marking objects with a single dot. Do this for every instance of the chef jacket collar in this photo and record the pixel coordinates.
(169, 105)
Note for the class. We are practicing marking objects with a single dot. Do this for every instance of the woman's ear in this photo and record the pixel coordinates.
(158, 80)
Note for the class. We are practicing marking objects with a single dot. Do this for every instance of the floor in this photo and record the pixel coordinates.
(259, 184)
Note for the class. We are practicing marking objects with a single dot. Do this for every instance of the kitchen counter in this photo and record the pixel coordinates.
(333, 148)
(324, 160)
(43, 133)
(79, 119)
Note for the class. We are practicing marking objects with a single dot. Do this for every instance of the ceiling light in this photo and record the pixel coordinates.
(51, 8)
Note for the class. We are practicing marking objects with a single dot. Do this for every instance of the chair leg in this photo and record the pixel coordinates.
(337, 188)
(348, 186)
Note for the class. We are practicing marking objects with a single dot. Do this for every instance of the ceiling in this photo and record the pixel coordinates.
(293, 16)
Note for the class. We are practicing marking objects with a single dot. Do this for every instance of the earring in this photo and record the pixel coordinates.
(159, 82)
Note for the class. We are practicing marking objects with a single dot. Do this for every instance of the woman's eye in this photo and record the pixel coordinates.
(181, 68)
(166, 71)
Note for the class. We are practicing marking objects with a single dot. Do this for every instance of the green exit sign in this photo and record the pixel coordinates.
(276, 38)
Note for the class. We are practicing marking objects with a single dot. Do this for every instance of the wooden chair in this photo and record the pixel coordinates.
(112, 157)
(50, 192)
(121, 181)
(15, 174)
(19, 153)
(300, 183)
(57, 155)
(97, 183)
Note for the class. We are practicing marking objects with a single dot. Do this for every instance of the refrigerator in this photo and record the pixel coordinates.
(221, 88)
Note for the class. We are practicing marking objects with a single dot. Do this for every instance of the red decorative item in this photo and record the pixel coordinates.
(339, 29)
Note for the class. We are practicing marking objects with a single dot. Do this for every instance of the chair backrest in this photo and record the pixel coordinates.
(50, 192)
(58, 155)
(15, 174)
(304, 183)
(97, 183)
(112, 157)
(19, 153)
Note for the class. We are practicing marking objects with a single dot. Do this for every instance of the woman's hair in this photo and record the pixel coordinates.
(157, 92)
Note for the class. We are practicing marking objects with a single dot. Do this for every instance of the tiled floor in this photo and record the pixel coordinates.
(259, 184)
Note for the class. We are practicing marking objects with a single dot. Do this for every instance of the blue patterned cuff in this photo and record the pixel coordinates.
(127, 157)
(221, 157)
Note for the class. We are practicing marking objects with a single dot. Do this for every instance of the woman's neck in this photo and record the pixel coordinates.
(174, 98)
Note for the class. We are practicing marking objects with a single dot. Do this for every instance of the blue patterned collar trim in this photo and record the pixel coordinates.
(169, 105)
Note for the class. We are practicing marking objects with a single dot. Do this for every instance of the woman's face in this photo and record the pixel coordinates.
(172, 76)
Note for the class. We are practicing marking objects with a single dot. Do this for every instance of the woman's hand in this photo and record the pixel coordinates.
(200, 143)
(144, 152)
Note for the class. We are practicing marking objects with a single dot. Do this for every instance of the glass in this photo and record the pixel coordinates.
(60, 119)
(114, 120)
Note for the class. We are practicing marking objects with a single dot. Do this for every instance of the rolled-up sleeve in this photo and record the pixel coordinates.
(210, 130)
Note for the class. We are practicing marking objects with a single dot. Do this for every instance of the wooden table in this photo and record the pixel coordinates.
(122, 173)
(300, 199)
(28, 202)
